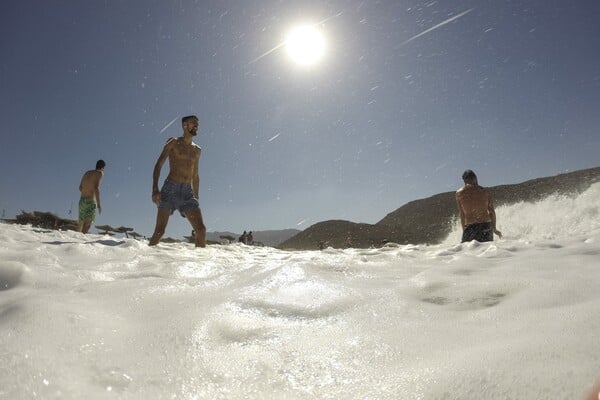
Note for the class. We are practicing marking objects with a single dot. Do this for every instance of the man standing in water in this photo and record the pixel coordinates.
(476, 208)
(90, 196)
(180, 190)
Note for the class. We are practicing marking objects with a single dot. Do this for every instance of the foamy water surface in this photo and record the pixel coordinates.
(98, 317)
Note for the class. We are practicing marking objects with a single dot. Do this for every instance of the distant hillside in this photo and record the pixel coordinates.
(274, 237)
(430, 220)
(268, 238)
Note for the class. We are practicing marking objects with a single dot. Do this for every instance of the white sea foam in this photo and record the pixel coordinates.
(100, 317)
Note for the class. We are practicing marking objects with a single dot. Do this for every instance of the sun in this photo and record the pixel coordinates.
(305, 45)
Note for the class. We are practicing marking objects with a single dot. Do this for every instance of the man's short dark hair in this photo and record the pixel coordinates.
(100, 164)
(469, 174)
(187, 118)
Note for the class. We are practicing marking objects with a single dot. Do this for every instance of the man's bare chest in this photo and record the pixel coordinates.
(184, 153)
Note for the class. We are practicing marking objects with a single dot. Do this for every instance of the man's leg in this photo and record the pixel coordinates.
(195, 217)
(87, 212)
(86, 226)
(162, 218)
(81, 218)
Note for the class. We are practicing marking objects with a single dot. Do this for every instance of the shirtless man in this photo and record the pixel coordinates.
(476, 208)
(90, 196)
(180, 190)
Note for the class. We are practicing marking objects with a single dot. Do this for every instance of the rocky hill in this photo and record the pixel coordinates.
(430, 220)
(274, 237)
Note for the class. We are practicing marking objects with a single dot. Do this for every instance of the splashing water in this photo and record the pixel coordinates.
(97, 317)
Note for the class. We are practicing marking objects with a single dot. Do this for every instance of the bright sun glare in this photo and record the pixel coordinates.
(305, 45)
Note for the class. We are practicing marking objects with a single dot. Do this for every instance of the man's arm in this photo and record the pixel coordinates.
(81, 182)
(97, 192)
(157, 167)
(195, 176)
(492, 214)
(460, 210)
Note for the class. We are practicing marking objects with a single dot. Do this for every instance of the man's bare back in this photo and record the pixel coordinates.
(474, 204)
(476, 209)
(90, 182)
(89, 201)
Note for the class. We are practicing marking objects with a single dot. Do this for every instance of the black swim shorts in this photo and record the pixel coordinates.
(481, 232)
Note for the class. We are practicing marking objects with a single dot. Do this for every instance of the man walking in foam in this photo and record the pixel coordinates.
(180, 189)
(90, 196)
(476, 208)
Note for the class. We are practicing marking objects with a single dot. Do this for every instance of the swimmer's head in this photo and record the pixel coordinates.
(469, 177)
(100, 164)
(188, 118)
(190, 124)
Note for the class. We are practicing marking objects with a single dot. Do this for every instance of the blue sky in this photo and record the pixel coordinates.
(510, 90)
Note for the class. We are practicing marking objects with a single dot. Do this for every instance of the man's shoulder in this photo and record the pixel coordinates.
(468, 188)
(91, 176)
(97, 174)
(91, 172)
(180, 140)
(195, 147)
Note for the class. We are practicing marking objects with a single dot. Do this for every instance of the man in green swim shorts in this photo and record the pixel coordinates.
(90, 196)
